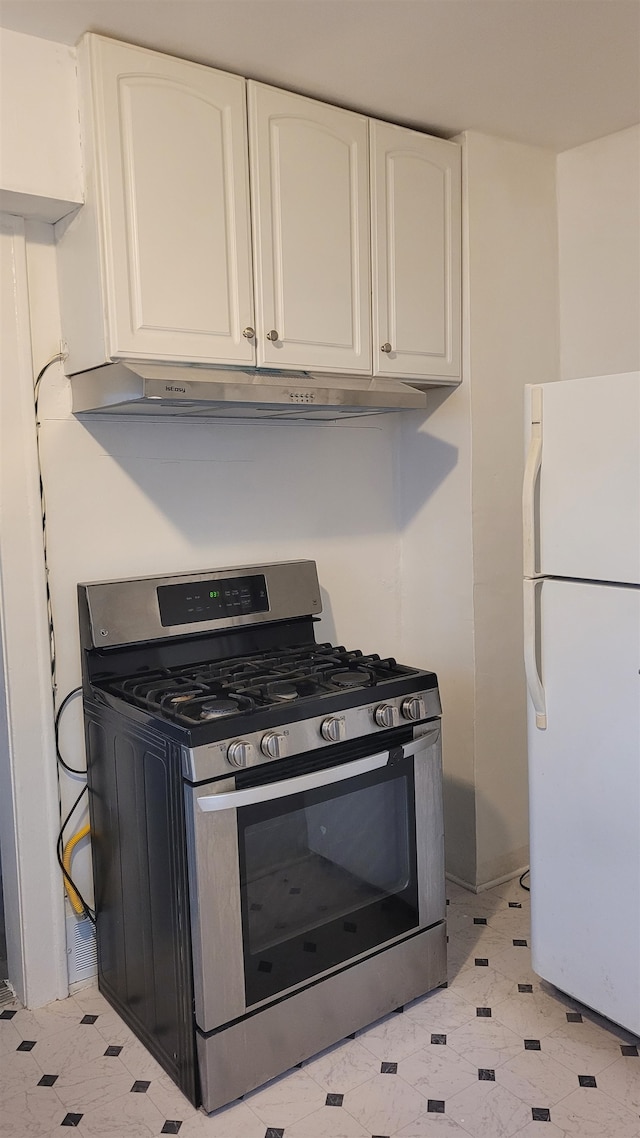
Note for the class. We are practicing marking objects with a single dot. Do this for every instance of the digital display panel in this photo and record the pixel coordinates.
(212, 600)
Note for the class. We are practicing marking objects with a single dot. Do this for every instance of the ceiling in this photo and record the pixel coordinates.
(552, 73)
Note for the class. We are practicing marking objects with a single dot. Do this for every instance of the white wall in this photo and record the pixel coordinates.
(460, 505)
(40, 160)
(513, 340)
(599, 245)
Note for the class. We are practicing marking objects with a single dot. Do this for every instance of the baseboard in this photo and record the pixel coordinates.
(487, 884)
(83, 985)
(501, 880)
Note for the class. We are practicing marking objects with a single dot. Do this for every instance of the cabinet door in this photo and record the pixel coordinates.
(416, 253)
(310, 209)
(172, 170)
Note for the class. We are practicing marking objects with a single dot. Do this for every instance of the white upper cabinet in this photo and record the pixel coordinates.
(310, 212)
(231, 223)
(416, 228)
(168, 197)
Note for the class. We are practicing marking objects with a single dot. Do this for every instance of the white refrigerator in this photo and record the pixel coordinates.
(581, 513)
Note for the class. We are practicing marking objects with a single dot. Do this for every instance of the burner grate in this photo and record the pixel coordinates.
(216, 689)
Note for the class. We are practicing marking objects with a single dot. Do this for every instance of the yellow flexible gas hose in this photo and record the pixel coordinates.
(76, 903)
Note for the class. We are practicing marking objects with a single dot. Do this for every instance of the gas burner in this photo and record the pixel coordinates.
(211, 706)
(217, 708)
(282, 691)
(353, 678)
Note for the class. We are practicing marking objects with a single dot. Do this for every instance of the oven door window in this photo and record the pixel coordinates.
(326, 875)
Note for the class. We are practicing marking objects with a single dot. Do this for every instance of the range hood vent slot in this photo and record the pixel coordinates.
(132, 387)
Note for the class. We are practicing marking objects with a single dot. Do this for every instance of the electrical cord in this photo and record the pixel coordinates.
(43, 510)
(65, 766)
(71, 770)
(522, 877)
(88, 912)
(54, 359)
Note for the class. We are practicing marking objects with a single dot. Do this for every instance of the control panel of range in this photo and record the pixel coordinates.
(290, 739)
(193, 601)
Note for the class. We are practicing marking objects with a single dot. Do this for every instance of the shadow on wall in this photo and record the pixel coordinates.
(361, 476)
(459, 830)
(425, 460)
(462, 805)
(325, 629)
(267, 479)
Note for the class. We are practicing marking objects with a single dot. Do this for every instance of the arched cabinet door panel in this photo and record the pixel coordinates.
(415, 181)
(310, 213)
(169, 188)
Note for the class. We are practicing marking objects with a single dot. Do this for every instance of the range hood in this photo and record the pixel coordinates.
(131, 387)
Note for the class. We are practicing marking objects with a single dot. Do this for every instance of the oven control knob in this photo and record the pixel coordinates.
(413, 708)
(239, 753)
(333, 729)
(386, 715)
(273, 745)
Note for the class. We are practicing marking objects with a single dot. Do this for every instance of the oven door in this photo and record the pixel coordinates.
(296, 878)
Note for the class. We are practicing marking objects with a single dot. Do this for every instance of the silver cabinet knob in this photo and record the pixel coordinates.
(333, 729)
(272, 335)
(413, 708)
(249, 333)
(386, 347)
(386, 715)
(240, 752)
(273, 745)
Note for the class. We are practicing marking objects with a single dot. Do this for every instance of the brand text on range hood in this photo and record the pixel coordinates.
(136, 387)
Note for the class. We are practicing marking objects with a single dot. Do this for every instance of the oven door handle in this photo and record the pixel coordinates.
(234, 799)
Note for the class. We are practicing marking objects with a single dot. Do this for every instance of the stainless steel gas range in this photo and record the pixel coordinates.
(266, 817)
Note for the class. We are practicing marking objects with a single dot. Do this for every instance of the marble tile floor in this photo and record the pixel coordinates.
(496, 1054)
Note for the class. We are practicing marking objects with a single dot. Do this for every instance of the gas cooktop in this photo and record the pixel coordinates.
(220, 689)
(226, 663)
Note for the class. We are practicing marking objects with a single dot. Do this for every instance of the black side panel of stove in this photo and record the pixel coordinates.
(140, 879)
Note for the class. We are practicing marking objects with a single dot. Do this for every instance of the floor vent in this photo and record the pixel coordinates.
(81, 949)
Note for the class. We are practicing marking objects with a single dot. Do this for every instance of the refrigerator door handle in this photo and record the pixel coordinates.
(531, 472)
(534, 682)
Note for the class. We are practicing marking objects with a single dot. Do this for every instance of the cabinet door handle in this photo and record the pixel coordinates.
(386, 347)
(272, 335)
(249, 333)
